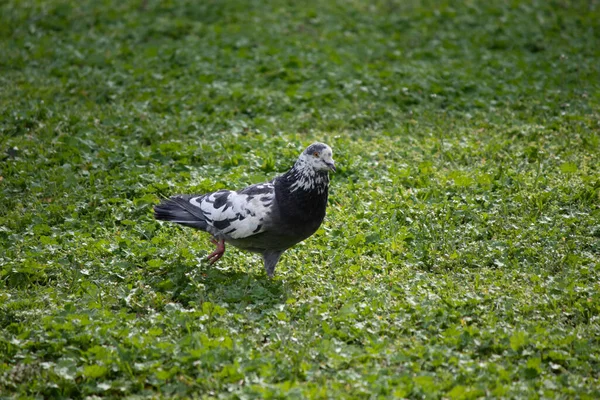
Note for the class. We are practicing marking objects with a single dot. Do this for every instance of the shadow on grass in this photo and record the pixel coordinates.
(196, 284)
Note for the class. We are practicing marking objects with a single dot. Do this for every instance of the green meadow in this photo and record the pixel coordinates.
(460, 255)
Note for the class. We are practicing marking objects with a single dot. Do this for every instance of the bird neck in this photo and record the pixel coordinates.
(303, 195)
(303, 176)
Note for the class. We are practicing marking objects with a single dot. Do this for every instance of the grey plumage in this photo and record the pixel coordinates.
(266, 218)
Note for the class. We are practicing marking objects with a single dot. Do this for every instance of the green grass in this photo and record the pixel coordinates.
(460, 257)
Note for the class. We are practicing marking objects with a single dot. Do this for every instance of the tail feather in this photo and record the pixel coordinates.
(178, 210)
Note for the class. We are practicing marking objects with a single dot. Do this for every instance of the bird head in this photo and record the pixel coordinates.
(319, 157)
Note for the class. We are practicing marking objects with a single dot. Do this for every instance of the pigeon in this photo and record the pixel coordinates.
(266, 218)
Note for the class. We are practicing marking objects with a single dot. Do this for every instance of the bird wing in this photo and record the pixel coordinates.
(237, 215)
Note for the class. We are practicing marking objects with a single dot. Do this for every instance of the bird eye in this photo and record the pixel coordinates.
(316, 154)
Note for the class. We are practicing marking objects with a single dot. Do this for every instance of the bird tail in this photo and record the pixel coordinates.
(178, 209)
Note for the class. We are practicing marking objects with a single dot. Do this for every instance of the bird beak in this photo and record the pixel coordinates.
(331, 165)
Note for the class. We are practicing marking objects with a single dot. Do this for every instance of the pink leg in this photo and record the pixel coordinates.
(219, 251)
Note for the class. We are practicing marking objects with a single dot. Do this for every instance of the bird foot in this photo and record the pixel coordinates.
(219, 251)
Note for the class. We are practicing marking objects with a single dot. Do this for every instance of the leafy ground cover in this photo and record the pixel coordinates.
(460, 254)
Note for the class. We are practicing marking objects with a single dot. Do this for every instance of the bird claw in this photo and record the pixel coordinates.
(219, 251)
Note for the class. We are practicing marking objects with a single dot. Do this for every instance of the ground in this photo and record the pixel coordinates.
(460, 254)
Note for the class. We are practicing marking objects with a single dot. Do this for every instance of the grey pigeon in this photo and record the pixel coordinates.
(266, 218)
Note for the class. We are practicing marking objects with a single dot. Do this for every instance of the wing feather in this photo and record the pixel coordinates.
(237, 214)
